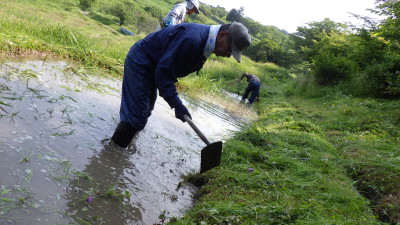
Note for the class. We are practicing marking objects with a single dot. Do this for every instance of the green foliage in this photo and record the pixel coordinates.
(381, 47)
(367, 48)
(330, 69)
(258, 30)
(329, 50)
(217, 13)
(235, 15)
(337, 56)
(307, 38)
(377, 53)
(85, 4)
(265, 50)
(390, 27)
(154, 11)
(148, 24)
(123, 11)
(383, 77)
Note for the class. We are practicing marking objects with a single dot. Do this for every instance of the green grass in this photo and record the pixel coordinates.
(366, 133)
(330, 160)
(299, 174)
(54, 32)
(319, 156)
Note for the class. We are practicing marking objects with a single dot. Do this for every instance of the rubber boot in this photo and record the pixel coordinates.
(123, 134)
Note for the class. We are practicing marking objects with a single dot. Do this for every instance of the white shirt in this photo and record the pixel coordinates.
(176, 15)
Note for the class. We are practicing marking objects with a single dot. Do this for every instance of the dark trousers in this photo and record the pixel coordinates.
(254, 88)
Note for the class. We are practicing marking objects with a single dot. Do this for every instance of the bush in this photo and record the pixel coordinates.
(155, 11)
(330, 70)
(85, 4)
(383, 78)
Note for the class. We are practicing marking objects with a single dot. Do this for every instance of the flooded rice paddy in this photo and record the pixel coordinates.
(58, 167)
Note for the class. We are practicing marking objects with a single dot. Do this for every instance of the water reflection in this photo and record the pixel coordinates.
(102, 191)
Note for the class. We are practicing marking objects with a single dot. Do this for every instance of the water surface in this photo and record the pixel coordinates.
(58, 167)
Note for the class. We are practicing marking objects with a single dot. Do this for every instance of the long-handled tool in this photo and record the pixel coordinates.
(211, 154)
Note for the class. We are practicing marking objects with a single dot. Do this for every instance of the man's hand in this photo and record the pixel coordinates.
(180, 111)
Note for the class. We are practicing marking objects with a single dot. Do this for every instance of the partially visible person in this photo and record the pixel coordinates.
(157, 61)
(178, 13)
(253, 87)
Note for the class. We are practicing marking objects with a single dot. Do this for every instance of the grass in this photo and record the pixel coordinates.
(365, 132)
(324, 160)
(318, 156)
(58, 33)
(297, 177)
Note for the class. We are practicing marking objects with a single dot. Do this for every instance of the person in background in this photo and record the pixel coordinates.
(155, 62)
(253, 87)
(178, 13)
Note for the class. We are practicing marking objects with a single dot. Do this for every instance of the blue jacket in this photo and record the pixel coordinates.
(170, 53)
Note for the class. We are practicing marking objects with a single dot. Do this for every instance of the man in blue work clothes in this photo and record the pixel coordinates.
(253, 87)
(155, 62)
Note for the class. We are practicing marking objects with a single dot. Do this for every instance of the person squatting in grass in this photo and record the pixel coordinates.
(253, 87)
(155, 62)
(178, 13)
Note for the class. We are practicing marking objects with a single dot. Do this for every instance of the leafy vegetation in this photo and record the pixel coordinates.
(325, 149)
(366, 57)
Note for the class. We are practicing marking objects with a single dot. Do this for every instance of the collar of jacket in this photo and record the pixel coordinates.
(210, 44)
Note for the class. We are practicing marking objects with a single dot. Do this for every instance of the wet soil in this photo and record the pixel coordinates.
(58, 167)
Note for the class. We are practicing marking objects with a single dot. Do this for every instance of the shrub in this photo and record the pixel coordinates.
(85, 4)
(330, 70)
(383, 78)
(155, 11)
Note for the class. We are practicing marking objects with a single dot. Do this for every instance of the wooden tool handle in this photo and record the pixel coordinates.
(198, 132)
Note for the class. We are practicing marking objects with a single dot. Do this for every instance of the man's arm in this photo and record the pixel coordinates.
(174, 58)
(173, 17)
(243, 75)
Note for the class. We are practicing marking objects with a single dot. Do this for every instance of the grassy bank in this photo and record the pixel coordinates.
(325, 159)
(45, 29)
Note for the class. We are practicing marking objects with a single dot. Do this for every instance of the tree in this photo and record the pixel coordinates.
(85, 4)
(121, 11)
(235, 15)
(307, 36)
(331, 59)
(389, 28)
(379, 50)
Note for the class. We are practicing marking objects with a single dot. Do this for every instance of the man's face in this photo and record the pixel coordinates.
(191, 11)
(223, 45)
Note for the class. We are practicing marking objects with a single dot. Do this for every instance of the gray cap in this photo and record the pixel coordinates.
(240, 39)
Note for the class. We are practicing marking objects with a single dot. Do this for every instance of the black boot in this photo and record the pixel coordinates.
(124, 134)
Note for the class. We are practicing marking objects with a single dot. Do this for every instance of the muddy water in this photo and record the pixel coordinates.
(58, 167)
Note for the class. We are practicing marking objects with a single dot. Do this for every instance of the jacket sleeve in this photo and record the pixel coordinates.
(180, 50)
(176, 15)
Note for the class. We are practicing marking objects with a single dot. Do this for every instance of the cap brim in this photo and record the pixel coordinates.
(237, 54)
